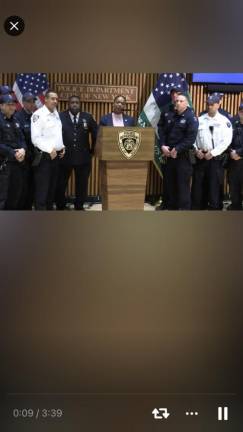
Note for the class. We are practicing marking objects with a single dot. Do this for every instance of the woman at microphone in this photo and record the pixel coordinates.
(117, 117)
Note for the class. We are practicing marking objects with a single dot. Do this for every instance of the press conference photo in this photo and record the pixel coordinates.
(121, 141)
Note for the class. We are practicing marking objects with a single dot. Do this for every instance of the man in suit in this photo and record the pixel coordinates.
(77, 128)
(236, 162)
(117, 117)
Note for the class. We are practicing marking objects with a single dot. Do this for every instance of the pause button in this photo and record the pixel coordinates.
(223, 413)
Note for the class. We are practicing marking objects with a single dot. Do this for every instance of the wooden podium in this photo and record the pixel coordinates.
(124, 154)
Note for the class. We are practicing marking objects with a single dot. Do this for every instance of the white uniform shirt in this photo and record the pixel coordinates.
(46, 130)
(216, 140)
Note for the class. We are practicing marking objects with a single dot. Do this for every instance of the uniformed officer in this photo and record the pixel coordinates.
(180, 135)
(5, 90)
(229, 116)
(24, 117)
(214, 137)
(162, 127)
(77, 127)
(12, 154)
(236, 162)
(46, 136)
(220, 110)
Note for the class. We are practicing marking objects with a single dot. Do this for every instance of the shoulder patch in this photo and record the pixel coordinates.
(35, 117)
(228, 124)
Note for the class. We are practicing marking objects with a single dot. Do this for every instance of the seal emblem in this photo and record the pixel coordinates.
(129, 142)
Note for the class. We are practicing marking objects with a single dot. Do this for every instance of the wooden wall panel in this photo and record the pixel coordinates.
(145, 83)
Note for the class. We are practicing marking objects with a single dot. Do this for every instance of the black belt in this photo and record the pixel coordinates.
(58, 152)
(46, 155)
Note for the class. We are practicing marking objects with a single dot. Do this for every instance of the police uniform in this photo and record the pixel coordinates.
(214, 135)
(46, 135)
(25, 121)
(221, 110)
(180, 132)
(77, 130)
(24, 118)
(5, 90)
(11, 170)
(236, 166)
(162, 126)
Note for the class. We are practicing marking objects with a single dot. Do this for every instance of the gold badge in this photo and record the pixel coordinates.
(129, 142)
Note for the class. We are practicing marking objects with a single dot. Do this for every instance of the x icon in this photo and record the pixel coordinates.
(14, 26)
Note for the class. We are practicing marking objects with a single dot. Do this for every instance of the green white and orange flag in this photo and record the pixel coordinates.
(158, 101)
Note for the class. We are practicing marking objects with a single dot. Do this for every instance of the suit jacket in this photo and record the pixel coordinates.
(77, 141)
(106, 120)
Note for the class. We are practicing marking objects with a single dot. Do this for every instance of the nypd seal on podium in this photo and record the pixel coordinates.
(129, 142)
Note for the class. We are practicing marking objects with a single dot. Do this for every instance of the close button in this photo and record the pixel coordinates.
(14, 25)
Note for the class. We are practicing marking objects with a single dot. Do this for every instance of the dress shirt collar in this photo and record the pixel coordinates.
(48, 112)
(72, 116)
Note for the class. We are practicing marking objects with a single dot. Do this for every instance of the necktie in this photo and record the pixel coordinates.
(211, 130)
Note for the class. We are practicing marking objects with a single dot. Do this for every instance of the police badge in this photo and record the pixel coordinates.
(129, 142)
(35, 117)
(85, 124)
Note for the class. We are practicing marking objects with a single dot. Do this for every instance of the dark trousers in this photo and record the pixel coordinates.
(177, 176)
(45, 175)
(208, 176)
(165, 198)
(236, 183)
(82, 173)
(27, 197)
(11, 185)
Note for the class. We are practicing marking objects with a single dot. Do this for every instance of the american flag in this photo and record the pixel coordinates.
(160, 98)
(165, 83)
(35, 83)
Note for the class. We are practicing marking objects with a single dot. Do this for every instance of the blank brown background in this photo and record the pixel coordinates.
(135, 35)
(100, 306)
